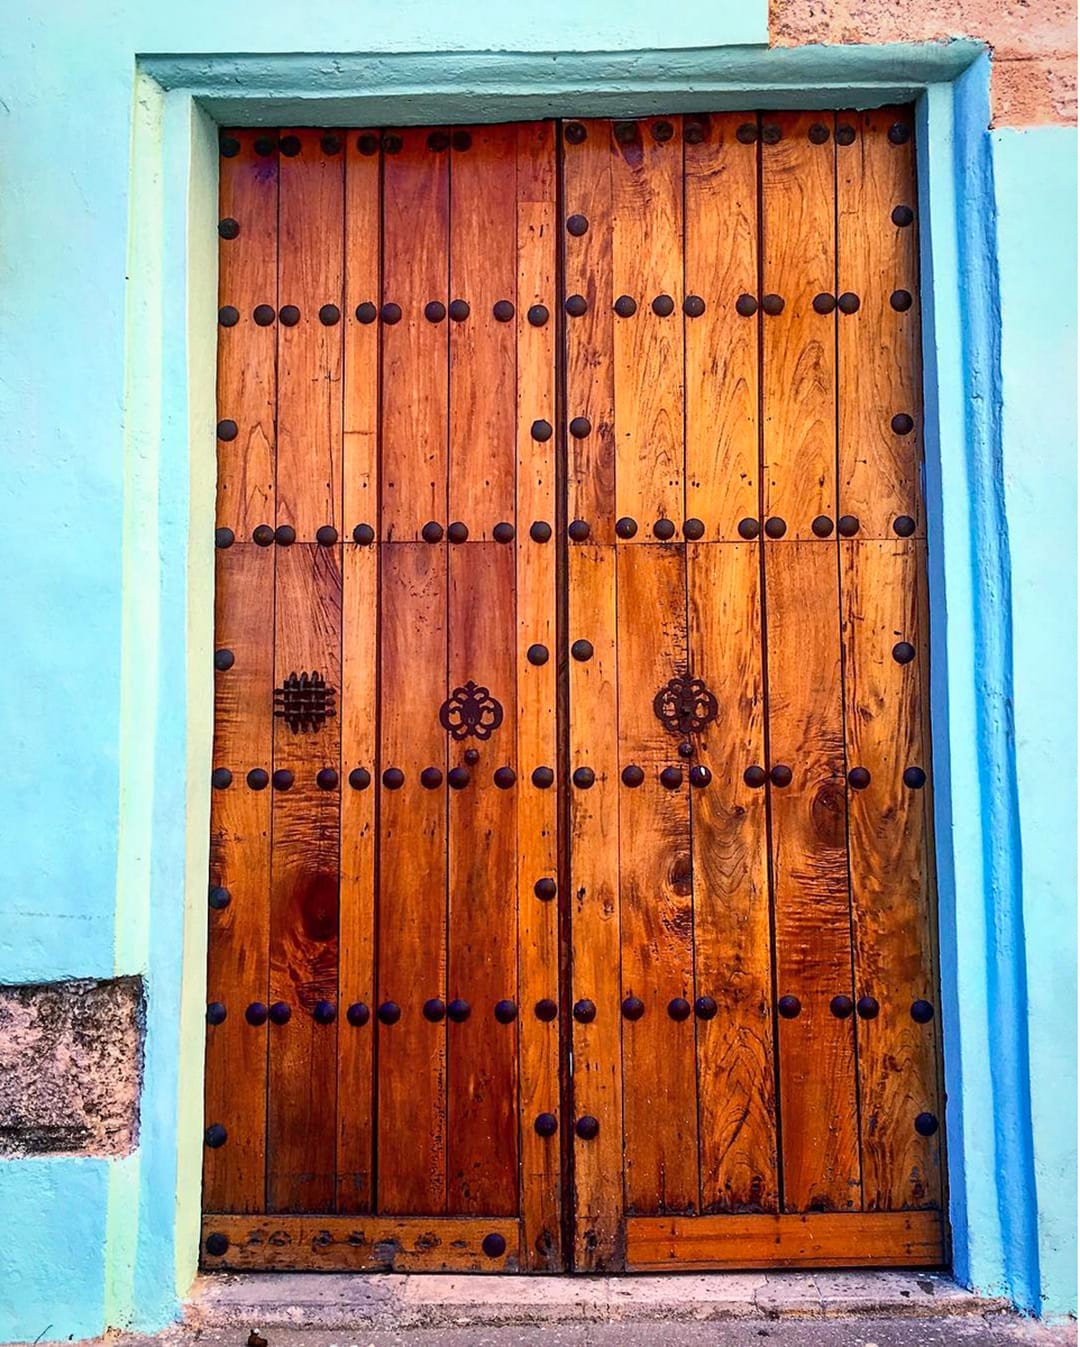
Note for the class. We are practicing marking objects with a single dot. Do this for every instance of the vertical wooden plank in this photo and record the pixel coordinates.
(310, 286)
(880, 377)
(302, 1115)
(482, 1108)
(594, 897)
(412, 881)
(721, 186)
(246, 366)
(885, 680)
(732, 964)
(799, 343)
(363, 222)
(416, 213)
(812, 911)
(590, 375)
(483, 274)
(238, 968)
(537, 807)
(656, 910)
(647, 267)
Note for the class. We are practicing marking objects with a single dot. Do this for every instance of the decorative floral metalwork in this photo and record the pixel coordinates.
(304, 701)
(684, 705)
(471, 712)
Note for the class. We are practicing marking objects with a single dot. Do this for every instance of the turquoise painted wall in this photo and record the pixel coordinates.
(95, 490)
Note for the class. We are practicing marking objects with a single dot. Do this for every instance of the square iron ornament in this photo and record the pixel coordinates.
(304, 701)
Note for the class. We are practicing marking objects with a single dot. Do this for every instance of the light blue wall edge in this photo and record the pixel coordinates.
(997, 1145)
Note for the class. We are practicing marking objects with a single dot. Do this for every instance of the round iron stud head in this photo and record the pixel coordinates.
(903, 652)
(902, 216)
(228, 228)
(899, 134)
(847, 525)
(363, 534)
(434, 1010)
(671, 778)
(755, 777)
(434, 310)
(858, 778)
(221, 778)
(389, 1012)
(431, 778)
(263, 535)
(587, 1127)
(461, 141)
(625, 527)
(217, 1244)
(215, 1012)
(458, 778)
(678, 1009)
(633, 1007)
(775, 527)
(848, 302)
(845, 134)
(284, 535)
(577, 225)
(771, 134)
(390, 313)
(868, 1007)
(325, 1012)
(359, 778)
(432, 532)
(546, 1010)
(700, 776)
(503, 311)
(693, 306)
(824, 303)
(229, 147)
(926, 1124)
(625, 306)
(289, 146)
(582, 650)
(693, 529)
(257, 1014)
(922, 1012)
(662, 131)
(538, 315)
(280, 1013)
(326, 535)
(664, 529)
(546, 1125)
(545, 889)
(578, 530)
(358, 1014)
(263, 314)
(705, 1008)
(584, 777)
(841, 1007)
(818, 133)
(393, 778)
(258, 778)
(540, 531)
(694, 133)
(458, 532)
(459, 1010)
(903, 526)
(283, 779)
(746, 306)
(543, 777)
(227, 430)
(632, 775)
(914, 778)
(330, 145)
(224, 537)
(789, 1007)
(223, 660)
(219, 897)
(391, 143)
(580, 426)
(901, 300)
(537, 654)
(504, 777)
(749, 528)
(329, 314)
(686, 749)
(366, 312)
(626, 132)
(822, 526)
(288, 315)
(472, 756)
(215, 1136)
(505, 1011)
(747, 133)
(663, 306)
(780, 774)
(367, 143)
(503, 532)
(438, 141)
(577, 306)
(541, 431)
(575, 133)
(902, 424)
(228, 315)
(494, 1245)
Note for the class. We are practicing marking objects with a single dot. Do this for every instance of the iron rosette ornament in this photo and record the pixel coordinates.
(471, 712)
(685, 705)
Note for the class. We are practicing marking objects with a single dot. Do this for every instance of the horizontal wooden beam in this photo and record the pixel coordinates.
(361, 1243)
(814, 1240)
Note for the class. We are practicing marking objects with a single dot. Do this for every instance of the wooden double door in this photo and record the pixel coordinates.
(571, 897)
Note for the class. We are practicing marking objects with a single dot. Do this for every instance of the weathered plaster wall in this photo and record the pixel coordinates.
(1032, 42)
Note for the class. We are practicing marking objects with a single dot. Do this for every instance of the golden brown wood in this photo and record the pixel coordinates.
(238, 967)
(411, 1141)
(416, 212)
(819, 1123)
(655, 891)
(301, 1108)
(310, 276)
(735, 1076)
(363, 221)
(647, 265)
(799, 355)
(884, 1239)
(891, 898)
(721, 190)
(246, 369)
(361, 1244)
(879, 365)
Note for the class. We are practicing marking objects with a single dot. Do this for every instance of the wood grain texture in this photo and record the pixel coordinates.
(246, 360)
(482, 1175)
(735, 1060)
(879, 369)
(537, 733)
(819, 1121)
(882, 583)
(863, 1239)
(798, 255)
(590, 375)
(483, 273)
(239, 939)
(722, 366)
(655, 890)
(361, 1244)
(301, 1110)
(309, 353)
(412, 881)
(594, 904)
(647, 265)
(414, 370)
(363, 225)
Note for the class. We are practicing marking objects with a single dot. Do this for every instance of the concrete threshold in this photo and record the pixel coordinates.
(402, 1301)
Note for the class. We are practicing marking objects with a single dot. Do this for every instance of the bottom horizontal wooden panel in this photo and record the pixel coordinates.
(361, 1243)
(817, 1239)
